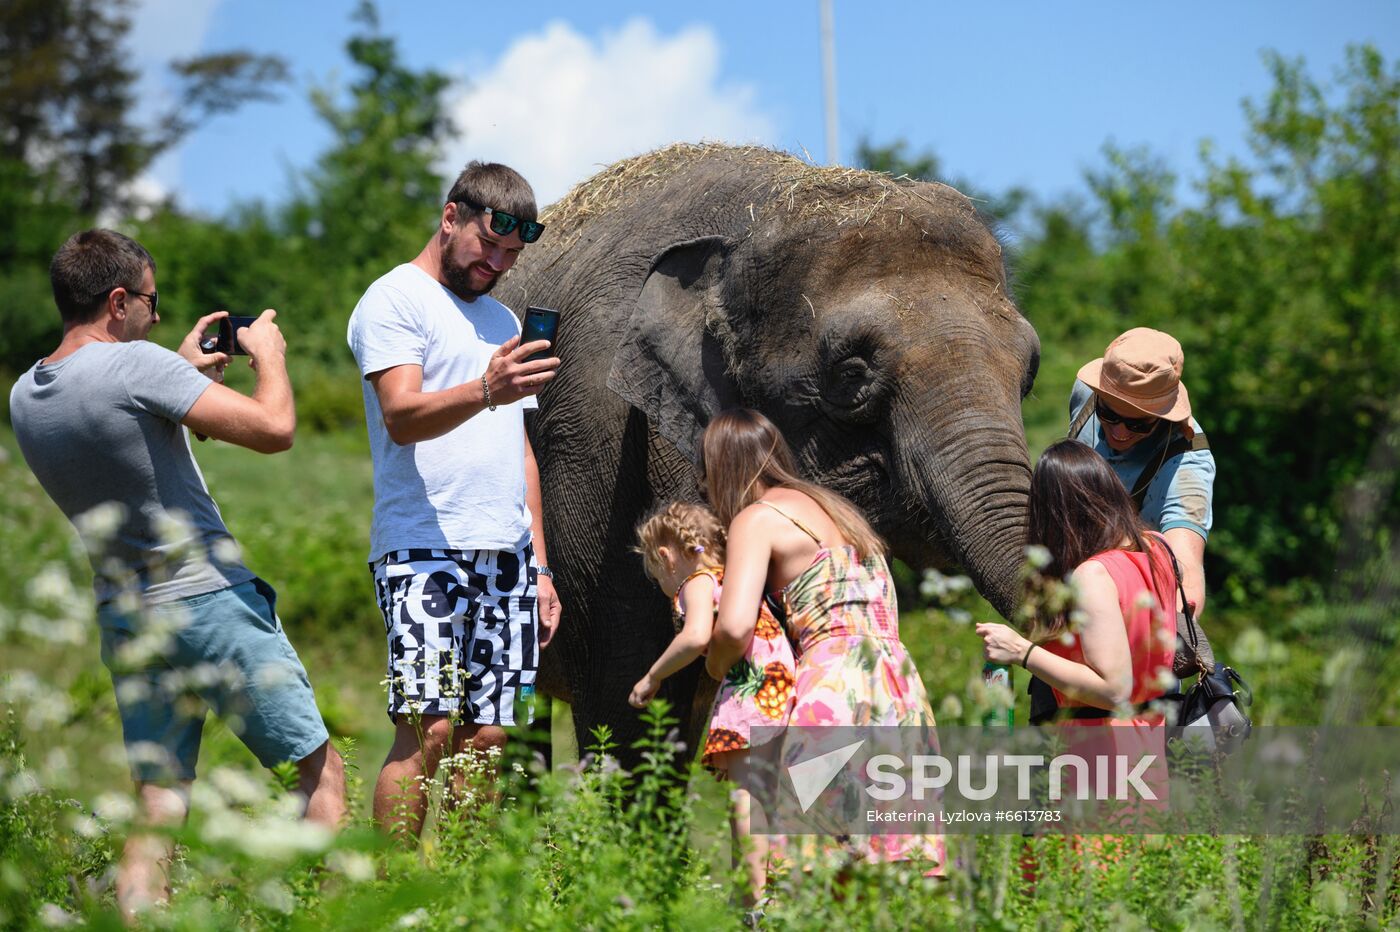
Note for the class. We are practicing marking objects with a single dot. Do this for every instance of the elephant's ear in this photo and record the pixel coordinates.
(669, 364)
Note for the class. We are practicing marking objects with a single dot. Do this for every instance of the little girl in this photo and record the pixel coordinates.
(682, 547)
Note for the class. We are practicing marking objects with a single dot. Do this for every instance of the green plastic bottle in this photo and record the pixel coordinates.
(994, 674)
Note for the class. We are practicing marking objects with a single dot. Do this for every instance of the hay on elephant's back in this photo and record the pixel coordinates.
(845, 195)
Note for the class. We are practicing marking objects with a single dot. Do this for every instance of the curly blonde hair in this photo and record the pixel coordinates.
(689, 527)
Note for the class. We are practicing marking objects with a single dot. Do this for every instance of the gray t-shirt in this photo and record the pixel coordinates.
(101, 430)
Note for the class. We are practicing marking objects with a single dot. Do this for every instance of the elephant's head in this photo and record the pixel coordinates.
(881, 339)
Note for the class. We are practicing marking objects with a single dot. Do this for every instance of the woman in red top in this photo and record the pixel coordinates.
(1115, 653)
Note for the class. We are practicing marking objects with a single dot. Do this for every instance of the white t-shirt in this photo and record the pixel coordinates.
(464, 490)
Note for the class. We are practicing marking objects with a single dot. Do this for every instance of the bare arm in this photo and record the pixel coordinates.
(745, 576)
(548, 603)
(412, 415)
(265, 422)
(1190, 550)
(699, 597)
(1105, 678)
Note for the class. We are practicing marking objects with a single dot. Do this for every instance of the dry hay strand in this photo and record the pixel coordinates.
(843, 195)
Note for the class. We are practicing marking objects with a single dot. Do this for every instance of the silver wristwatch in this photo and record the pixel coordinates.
(545, 571)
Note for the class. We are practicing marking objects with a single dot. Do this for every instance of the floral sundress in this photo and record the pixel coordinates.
(758, 690)
(852, 670)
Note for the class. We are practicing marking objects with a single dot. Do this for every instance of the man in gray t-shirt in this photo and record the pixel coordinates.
(101, 422)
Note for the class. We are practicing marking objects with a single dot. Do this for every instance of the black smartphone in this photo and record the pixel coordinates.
(540, 324)
(227, 340)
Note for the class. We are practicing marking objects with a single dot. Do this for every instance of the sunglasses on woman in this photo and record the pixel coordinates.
(503, 223)
(1138, 425)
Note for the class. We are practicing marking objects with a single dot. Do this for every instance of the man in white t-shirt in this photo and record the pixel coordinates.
(457, 544)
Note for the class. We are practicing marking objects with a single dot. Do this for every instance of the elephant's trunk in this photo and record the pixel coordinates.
(969, 471)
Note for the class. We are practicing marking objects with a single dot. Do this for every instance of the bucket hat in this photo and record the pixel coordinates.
(1142, 368)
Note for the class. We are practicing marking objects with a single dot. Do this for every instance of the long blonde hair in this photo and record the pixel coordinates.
(743, 453)
(689, 527)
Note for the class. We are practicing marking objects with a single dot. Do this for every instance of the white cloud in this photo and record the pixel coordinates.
(557, 106)
(162, 31)
(170, 29)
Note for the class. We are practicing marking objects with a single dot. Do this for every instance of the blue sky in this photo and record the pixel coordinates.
(1006, 93)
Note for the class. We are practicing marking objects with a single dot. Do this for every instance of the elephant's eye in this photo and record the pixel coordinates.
(852, 371)
(849, 388)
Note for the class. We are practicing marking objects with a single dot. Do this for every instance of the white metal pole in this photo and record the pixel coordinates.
(829, 79)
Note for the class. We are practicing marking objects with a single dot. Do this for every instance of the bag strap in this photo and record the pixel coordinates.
(1086, 411)
(1192, 637)
(1172, 449)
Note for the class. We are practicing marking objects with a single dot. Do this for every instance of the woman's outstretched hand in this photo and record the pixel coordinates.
(1002, 644)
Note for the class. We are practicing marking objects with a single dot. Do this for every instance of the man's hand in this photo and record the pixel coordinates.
(262, 338)
(511, 378)
(210, 364)
(547, 602)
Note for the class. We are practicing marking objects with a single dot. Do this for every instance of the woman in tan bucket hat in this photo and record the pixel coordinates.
(1131, 406)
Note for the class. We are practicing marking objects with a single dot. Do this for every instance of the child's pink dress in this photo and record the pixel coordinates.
(758, 690)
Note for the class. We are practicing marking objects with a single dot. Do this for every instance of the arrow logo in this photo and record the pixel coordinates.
(811, 777)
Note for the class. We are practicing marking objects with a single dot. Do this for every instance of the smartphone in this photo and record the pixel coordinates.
(540, 324)
(227, 340)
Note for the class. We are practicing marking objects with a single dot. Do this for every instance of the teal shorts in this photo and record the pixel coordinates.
(223, 650)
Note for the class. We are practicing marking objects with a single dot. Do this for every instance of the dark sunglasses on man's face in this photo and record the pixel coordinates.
(1138, 425)
(153, 297)
(503, 223)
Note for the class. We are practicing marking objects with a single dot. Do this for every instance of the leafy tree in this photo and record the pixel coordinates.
(373, 195)
(68, 92)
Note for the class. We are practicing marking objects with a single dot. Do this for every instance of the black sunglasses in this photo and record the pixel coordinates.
(153, 297)
(1138, 425)
(503, 223)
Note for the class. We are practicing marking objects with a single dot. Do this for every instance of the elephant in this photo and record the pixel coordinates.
(867, 316)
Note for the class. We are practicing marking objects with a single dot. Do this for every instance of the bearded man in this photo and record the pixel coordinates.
(457, 544)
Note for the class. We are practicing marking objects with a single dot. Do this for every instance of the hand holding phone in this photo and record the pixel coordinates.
(227, 340)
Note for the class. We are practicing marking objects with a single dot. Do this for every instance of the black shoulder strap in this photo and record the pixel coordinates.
(1175, 447)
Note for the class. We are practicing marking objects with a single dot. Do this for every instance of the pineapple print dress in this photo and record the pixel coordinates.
(756, 691)
(852, 670)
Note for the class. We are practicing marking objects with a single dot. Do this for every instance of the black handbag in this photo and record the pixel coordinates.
(1209, 713)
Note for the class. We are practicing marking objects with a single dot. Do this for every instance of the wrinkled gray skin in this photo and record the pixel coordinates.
(868, 319)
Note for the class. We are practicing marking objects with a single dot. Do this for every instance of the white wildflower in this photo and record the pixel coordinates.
(272, 675)
(1251, 648)
(226, 550)
(116, 808)
(100, 523)
(354, 865)
(85, 826)
(237, 787)
(412, 920)
(1037, 556)
(56, 917)
(951, 708)
(22, 784)
(277, 897)
(52, 586)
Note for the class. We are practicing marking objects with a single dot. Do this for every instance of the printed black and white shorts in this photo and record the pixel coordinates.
(462, 633)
